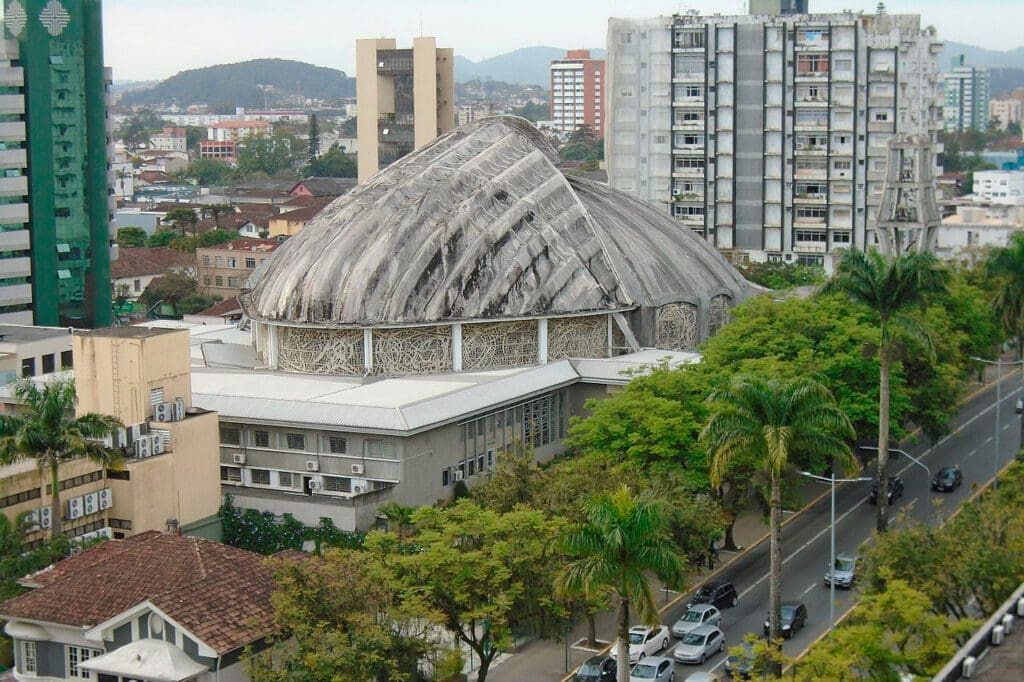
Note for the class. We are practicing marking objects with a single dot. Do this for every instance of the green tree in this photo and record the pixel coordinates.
(1013, 129)
(890, 287)
(182, 217)
(47, 431)
(1006, 266)
(210, 172)
(162, 237)
(533, 111)
(582, 145)
(349, 127)
(215, 211)
(481, 572)
(271, 155)
(314, 139)
(193, 136)
(173, 289)
(769, 421)
(139, 127)
(131, 236)
(624, 540)
(333, 164)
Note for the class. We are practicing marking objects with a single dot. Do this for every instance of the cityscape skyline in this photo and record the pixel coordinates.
(328, 38)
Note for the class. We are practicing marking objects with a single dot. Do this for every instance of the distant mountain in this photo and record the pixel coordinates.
(981, 57)
(226, 86)
(527, 65)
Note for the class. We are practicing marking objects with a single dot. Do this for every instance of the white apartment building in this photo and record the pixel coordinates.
(999, 187)
(577, 89)
(966, 97)
(767, 134)
(1009, 110)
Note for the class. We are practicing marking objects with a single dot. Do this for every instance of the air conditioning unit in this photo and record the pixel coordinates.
(1008, 623)
(179, 409)
(158, 444)
(164, 412)
(459, 475)
(238, 458)
(76, 508)
(106, 498)
(316, 483)
(676, 191)
(312, 465)
(91, 501)
(998, 634)
(144, 447)
(970, 664)
(45, 517)
(358, 468)
(358, 489)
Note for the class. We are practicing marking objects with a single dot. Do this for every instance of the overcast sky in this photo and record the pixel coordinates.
(154, 39)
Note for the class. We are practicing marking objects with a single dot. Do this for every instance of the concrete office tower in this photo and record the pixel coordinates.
(56, 222)
(767, 135)
(966, 97)
(577, 92)
(404, 99)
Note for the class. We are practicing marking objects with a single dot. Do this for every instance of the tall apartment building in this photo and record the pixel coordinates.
(767, 134)
(170, 139)
(56, 227)
(404, 98)
(966, 97)
(1008, 110)
(577, 92)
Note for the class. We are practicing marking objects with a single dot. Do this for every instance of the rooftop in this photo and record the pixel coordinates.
(137, 261)
(126, 332)
(246, 244)
(23, 333)
(241, 124)
(326, 187)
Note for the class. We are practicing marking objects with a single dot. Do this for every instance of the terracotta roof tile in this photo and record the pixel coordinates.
(136, 261)
(219, 593)
(225, 307)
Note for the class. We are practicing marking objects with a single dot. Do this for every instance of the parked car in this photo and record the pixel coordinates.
(845, 571)
(948, 479)
(794, 617)
(597, 669)
(643, 641)
(720, 593)
(696, 615)
(740, 665)
(656, 668)
(698, 644)
(895, 487)
(703, 677)
(1020, 405)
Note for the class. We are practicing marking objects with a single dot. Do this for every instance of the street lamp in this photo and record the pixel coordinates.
(999, 401)
(832, 480)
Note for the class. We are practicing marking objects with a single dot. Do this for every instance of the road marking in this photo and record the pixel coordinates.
(718, 665)
(813, 585)
(1006, 426)
(989, 439)
(971, 453)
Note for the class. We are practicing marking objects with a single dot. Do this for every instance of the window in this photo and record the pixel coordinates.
(206, 260)
(337, 484)
(137, 285)
(626, 37)
(490, 458)
(218, 280)
(65, 360)
(840, 237)
(218, 261)
(841, 165)
(810, 236)
(49, 363)
(690, 162)
(446, 477)
(206, 280)
(810, 213)
(29, 661)
(156, 395)
(260, 476)
(230, 435)
(844, 65)
(810, 261)
(232, 262)
(807, 64)
(337, 445)
(480, 463)
(379, 449)
(28, 367)
(811, 117)
(233, 282)
(261, 439)
(472, 466)
(295, 441)
(284, 479)
(250, 263)
(231, 474)
(76, 656)
(689, 39)
(881, 116)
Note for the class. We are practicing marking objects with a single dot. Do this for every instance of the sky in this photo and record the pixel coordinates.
(154, 39)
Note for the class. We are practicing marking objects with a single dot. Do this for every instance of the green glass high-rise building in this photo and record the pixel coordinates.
(55, 205)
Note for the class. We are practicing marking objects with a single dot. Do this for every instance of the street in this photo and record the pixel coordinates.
(805, 541)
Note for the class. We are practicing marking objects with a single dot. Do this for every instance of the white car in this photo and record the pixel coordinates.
(695, 616)
(699, 644)
(653, 669)
(643, 641)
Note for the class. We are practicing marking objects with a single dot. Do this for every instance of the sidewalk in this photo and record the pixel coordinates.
(543, 660)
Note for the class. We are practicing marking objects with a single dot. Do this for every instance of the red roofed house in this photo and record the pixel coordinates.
(154, 606)
(137, 266)
(224, 268)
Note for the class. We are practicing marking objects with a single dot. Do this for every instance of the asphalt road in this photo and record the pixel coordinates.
(805, 540)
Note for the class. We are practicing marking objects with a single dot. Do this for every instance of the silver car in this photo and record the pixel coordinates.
(845, 571)
(653, 669)
(695, 616)
(700, 643)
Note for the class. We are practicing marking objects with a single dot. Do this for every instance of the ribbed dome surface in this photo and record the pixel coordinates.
(481, 224)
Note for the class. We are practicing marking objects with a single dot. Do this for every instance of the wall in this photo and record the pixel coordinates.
(26, 478)
(369, 96)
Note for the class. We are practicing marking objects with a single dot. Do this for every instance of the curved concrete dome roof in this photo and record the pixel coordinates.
(481, 224)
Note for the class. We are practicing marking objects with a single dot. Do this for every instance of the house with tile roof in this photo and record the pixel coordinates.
(155, 606)
(137, 266)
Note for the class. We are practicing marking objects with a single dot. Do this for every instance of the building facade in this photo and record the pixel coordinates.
(28, 351)
(965, 103)
(767, 134)
(405, 98)
(577, 93)
(56, 218)
(218, 151)
(170, 140)
(235, 131)
(223, 269)
(1008, 110)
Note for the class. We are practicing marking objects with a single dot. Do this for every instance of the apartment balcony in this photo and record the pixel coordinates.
(803, 45)
(13, 158)
(12, 76)
(688, 197)
(820, 102)
(806, 221)
(810, 126)
(684, 126)
(687, 49)
(812, 77)
(809, 247)
(810, 150)
(880, 101)
(12, 104)
(876, 175)
(810, 198)
(680, 148)
(14, 213)
(12, 130)
(14, 187)
(689, 77)
(881, 126)
(688, 173)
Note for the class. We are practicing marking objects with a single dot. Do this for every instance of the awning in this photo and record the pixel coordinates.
(153, 660)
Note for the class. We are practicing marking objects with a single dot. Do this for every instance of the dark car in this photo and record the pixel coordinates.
(740, 665)
(895, 490)
(794, 617)
(947, 479)
(597, 669)
(721, 593)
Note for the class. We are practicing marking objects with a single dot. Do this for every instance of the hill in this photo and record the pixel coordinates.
(226, 86)
(982, 57)
(527, 65)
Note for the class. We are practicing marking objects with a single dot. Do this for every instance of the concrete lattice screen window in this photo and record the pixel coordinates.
(677, 326)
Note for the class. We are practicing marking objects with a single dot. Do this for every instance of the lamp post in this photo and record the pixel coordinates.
(999, 401)
(832, 480)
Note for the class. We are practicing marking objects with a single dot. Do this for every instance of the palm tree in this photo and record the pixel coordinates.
(770, 421)
(623, 540)
(46, 429)
(890, 287)
(1007, 265)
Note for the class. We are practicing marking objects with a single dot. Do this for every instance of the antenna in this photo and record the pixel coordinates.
(421, 24)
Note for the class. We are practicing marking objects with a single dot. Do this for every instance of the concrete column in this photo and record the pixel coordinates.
(367, 350)
(542, 341)
(457, 347)
(274, 346)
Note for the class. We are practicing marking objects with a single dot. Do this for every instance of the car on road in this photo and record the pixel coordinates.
(644, 641)
(720, 593)
(794, 617)
(653, 669)
(741, 663)
(844, 572)
(703, 677)
(697, 615)
(597, 669)
(1020, 405)
(699, 644)
(895, 487)
(947, 479)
